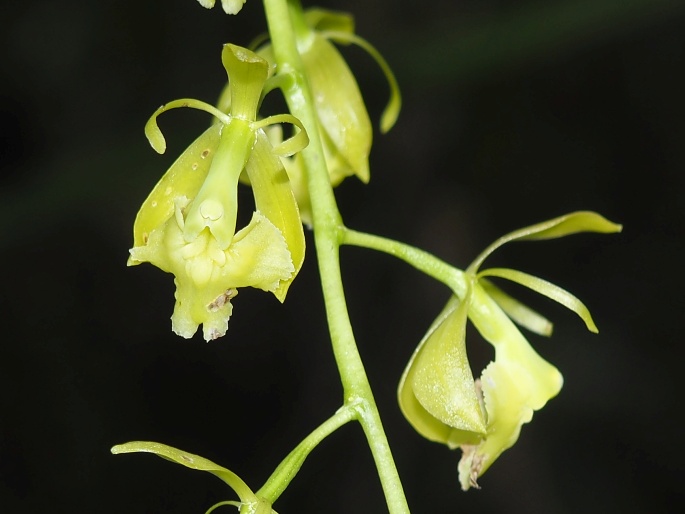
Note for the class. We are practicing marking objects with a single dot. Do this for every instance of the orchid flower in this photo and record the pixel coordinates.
(187, 226)
(483, 417)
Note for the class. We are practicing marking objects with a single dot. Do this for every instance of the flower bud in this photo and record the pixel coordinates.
(229, 6)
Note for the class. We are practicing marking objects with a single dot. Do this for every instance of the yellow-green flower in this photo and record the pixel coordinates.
(229, 6)
(344, 122)
(187, 226)
(437, 393)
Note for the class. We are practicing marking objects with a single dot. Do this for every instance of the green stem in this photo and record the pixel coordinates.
(328, 234)
(286, 470)
(423, 261)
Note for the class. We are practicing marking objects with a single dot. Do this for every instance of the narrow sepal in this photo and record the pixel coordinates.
(191, 461)
(573, 223)
(392, 109)
(545, 288)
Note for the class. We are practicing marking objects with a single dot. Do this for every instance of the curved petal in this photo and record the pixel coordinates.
(520, 313)
(392, 110)
(547, 289)
(291, 145)
(154, 134)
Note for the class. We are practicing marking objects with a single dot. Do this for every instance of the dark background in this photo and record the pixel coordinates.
(514, 112)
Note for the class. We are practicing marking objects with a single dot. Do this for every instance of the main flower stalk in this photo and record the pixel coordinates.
(282, 15)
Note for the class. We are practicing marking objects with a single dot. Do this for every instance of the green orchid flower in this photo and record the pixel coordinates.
(437, 392)
(249, 502)
(344, 122)
(229, 6)
(187, 225)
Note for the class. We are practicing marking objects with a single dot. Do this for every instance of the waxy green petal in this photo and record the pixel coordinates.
(547, 289)
(291, 145)
(183, 179)
(274, 199)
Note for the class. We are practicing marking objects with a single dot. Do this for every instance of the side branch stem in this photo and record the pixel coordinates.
(419, 259)
(287, 469)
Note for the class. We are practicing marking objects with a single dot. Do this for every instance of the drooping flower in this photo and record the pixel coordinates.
(344, 122)
(437, 393)
(187, 225)
(229, 6)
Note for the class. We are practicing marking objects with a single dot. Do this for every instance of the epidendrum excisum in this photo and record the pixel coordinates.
(187, 226)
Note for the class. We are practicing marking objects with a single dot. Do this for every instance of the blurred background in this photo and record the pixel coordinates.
(514, 112)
